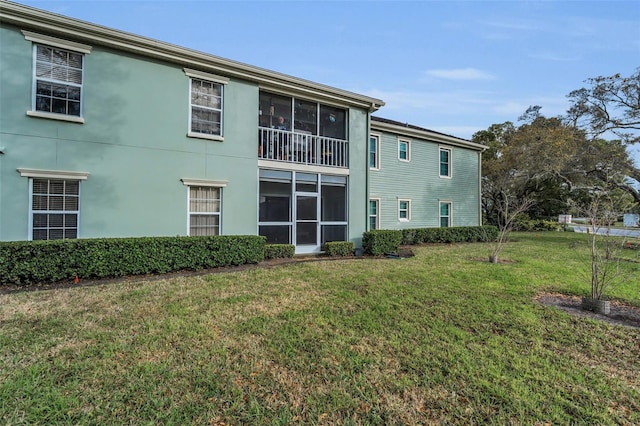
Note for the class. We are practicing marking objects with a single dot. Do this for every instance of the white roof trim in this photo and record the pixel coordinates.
(425, 135)
(204, 182)
(57, 42)
(43, 21)
(206, 76)
(53, 174)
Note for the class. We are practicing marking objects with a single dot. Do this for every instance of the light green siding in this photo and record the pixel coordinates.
(418, 180)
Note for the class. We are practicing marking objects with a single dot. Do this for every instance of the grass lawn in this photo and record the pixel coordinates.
(441, 337)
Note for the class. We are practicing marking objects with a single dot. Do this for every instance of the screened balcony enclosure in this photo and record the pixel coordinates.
(304, 132)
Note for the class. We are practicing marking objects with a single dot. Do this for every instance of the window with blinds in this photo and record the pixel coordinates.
(204, 210)
(206, 107)
(55, 206)
(58, 81)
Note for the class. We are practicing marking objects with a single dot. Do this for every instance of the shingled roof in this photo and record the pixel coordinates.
(422, 133)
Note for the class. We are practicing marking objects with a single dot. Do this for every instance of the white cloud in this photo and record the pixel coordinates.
(555, 57)
(460, 74)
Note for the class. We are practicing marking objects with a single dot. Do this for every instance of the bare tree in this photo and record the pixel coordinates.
(509, 209)
(602, 209)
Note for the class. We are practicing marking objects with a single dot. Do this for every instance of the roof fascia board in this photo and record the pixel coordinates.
(305, 94)
(429, 136)
(63, 26)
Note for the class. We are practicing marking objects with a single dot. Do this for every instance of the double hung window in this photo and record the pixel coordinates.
(204, 210)
(206, 100)
(206, 107)
(58, 81)
(445, 162)
(374, 152)
(404, 150)
(445, 214)
(373, 214)
(404, 210)
(58, 77)
(55, 207)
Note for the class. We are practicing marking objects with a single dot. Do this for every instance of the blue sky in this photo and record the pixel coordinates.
(452, 66)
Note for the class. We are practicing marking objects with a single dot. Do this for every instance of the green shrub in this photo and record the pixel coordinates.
(525, 224)
(279, 251)
(28, 262)
(449, 235)
(381, 241)
(487, 233)
(339, 248)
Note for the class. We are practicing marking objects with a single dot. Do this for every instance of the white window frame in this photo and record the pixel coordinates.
(205, 183)
(408, 209)
(377, 215)
(63, 45)
(408, 143)
(450, 217)
(52, 175)
(195, 75)
(449, 163)
(376, 166)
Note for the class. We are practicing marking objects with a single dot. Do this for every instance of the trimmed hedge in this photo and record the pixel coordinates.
(28, 262)
(388, 241)
(381, 241)
(279, 251)
(457, 234)
(339, 248)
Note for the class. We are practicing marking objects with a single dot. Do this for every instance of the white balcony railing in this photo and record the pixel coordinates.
(302, 148)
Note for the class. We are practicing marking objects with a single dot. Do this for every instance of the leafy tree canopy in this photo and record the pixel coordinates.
(548, 161)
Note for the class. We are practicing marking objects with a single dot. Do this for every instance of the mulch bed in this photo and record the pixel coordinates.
(621, 314)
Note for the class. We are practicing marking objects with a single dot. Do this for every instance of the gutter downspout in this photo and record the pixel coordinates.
(367, 176)
(480, 188)
(2, 149)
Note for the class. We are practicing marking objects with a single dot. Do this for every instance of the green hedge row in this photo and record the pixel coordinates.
(28, 262)
(339, 248)
(279, 251)
(459, 234)
(388, 241)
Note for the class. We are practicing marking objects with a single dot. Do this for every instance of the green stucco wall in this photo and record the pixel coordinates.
(133, 143)
(419, 181)
(135, 147)
(358, 135)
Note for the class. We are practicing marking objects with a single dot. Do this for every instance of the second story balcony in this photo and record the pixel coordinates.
(302, 148)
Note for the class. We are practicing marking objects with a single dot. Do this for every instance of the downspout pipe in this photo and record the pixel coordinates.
(2, 151)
